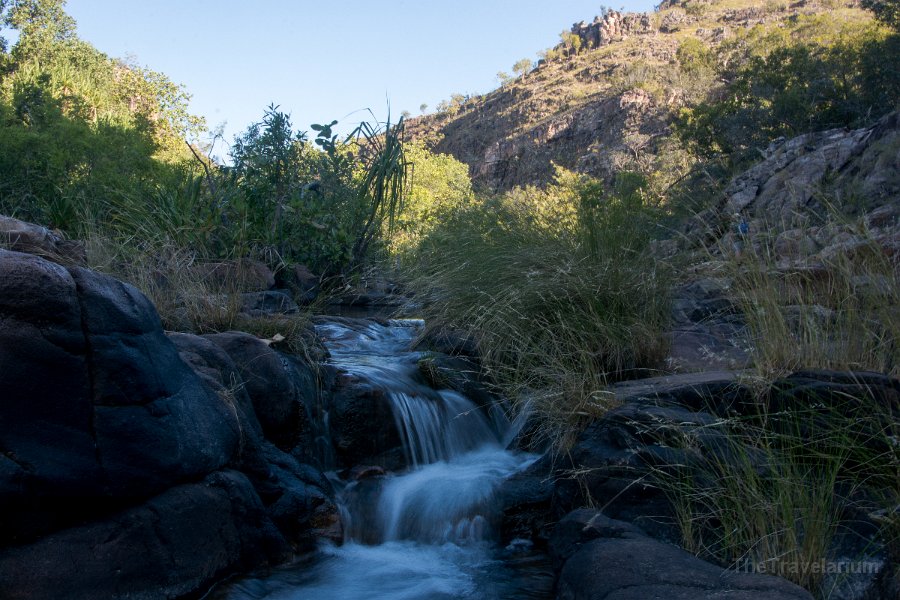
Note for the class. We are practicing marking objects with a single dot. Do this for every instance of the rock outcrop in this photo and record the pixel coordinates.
(814, 198)
(135, 464)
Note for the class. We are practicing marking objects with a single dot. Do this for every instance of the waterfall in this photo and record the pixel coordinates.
(424, 532)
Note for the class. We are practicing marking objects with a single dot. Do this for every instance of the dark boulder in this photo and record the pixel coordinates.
(298, 498)
(176, 543)
(300, 281)
(363, 429)
(98, 410)
(283, 391)
(271, 302)
(524, 503)
(600, 557)
(241, 275)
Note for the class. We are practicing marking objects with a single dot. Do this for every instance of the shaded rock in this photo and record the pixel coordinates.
(271, 302)
(524, 502)
(363, 429)
(177, 543)
(298, 498)
(604, 558)
(458, 373)
(719, 392)
(28, 238)
(280, 389)
(97, 404)
(302, 283)
(241, 275)
(447, 341)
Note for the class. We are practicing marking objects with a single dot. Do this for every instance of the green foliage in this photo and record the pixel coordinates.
(42, 24)
(817, 75)
(886, 11)
(694, 56)
(439, 186)
(522, 67)
(571, 42)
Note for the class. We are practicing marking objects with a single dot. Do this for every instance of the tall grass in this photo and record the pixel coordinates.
(556, 287)
(782, 489)
(781, 486)
(841, 313)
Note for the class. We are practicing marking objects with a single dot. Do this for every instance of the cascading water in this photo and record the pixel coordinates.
(426, 530)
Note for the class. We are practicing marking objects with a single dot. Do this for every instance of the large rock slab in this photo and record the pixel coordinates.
(605, 559)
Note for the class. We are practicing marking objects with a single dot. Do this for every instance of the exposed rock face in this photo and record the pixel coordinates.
(612, 27)
(172, 545)
(797, 196)
(604, 558)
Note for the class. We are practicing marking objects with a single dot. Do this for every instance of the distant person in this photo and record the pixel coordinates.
(743, 230)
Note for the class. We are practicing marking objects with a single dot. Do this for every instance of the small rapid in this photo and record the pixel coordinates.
(425, 532)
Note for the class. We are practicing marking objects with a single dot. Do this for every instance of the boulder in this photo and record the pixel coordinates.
(363, 428)
(298, 498)
(28, 238)
(97, 404)
(300, 281)
(599, 557)
(271, 302)
(177, 543)
(282, 390)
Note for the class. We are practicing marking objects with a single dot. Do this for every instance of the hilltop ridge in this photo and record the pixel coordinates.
(605, 102)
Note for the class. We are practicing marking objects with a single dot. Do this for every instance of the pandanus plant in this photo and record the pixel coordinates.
(385, 182)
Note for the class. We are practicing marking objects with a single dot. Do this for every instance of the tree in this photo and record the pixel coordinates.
(266, 158)
(504, 78)
(41, 23)
(522, 67)
(886, 11)
(423, 108)
(571, 42)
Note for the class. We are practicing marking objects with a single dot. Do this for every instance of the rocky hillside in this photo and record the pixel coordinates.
(606, 107)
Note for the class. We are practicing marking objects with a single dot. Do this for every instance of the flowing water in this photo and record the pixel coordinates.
(423, 533)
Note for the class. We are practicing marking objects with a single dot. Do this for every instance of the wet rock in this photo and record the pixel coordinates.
(363, 429)
(28, 238)
(605, 558)
(458, 373)
(524, 503)
(175, 544)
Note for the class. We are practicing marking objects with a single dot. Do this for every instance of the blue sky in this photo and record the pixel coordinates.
(327, 59)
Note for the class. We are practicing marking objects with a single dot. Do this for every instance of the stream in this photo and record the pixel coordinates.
(424, 533)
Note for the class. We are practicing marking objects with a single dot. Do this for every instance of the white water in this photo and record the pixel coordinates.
(431, 523)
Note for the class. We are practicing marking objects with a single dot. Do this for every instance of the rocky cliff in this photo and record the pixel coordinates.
(605, 108)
